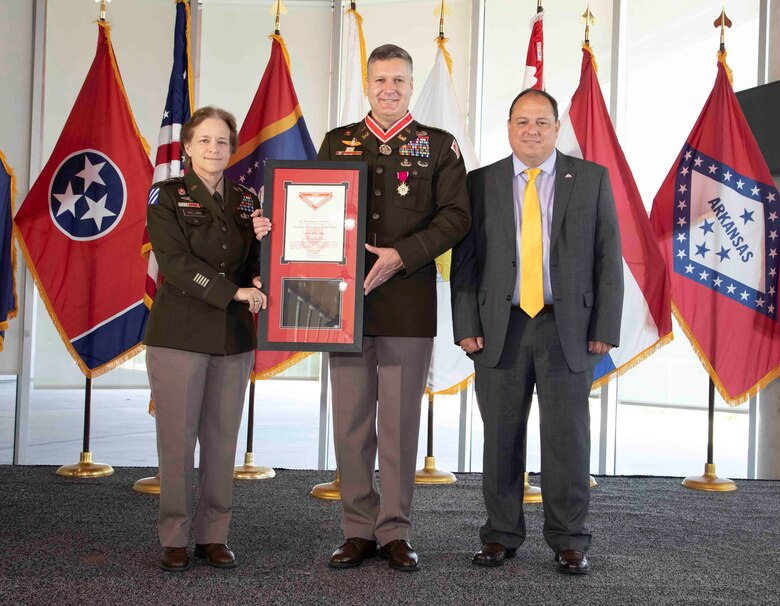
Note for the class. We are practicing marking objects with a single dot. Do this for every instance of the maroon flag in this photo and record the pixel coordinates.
(716, 219)
(81, 223)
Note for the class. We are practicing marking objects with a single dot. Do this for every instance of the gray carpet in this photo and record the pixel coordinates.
(655, 542)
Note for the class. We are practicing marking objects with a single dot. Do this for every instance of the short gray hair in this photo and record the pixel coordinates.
(389, 51)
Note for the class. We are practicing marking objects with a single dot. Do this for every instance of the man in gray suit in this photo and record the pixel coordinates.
(547, 328)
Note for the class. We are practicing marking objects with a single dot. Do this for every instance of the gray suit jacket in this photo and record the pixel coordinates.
(586, 267)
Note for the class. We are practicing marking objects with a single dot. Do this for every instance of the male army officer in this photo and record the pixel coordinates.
(418, 208)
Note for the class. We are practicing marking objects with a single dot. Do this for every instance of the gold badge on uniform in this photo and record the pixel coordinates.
(351, 143)
(402, 188)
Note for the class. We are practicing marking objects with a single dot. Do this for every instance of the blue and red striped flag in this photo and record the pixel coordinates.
(8, 307)
(274, 129)
(586, 132)
(81, 223)
(178, 109)
(717, 220)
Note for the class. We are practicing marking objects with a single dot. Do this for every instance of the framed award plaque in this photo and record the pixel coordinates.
(313, 258)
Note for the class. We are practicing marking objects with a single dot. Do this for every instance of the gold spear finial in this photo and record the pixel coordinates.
(722, 22)
(102, 9)
(278, 8)
(588, 19)
(440, 11)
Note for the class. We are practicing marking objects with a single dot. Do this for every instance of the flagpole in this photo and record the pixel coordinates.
(429, 474)
(85, 468)
(250, 471)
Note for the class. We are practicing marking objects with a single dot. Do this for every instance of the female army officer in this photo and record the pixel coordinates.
(201, 336)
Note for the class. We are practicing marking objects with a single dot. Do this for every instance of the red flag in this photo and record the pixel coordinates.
(274, 129)
(586, 132)
(81, 223)
(716, 220)
(534, 59)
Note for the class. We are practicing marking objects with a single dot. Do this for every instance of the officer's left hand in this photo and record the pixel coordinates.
(387, 265)
(261, 224)
(598, 347)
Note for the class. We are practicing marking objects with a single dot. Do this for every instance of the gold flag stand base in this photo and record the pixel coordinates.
(250, 471)
(709, 481)
(330, 491)
(531, 494)
(148, 485)
(85, 468)
(593, 482)
(430, 475)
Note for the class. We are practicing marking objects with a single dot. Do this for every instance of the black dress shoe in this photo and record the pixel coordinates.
(352, 553)
(216, 554)
(400, 555)
(571, 561)
(174, 559)
(493, 554)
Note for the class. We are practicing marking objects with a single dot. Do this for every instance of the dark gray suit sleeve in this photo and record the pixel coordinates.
(607, 270)
(464, 280)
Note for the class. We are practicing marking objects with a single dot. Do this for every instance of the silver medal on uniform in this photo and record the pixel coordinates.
(385, 149)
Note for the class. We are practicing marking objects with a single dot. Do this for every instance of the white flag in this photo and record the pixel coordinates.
(438, 106)
(353, 98)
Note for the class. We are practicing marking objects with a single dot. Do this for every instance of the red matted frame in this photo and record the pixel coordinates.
(313, 259)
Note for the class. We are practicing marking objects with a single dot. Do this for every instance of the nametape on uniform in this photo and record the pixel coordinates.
(189, 204)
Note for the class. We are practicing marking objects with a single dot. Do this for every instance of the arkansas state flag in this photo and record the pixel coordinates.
(533, 77)
(81, 223)
(716, 220)
(274, 129)
(586, 132)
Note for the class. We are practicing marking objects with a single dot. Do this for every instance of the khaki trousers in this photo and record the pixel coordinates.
(197, 397)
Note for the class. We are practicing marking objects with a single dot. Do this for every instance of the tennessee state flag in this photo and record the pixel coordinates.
(586, 132)
(274, 129)
(81, 223)
(533, 77)
(716, 219)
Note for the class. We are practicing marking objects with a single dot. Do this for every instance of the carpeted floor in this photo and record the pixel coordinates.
(93, 542)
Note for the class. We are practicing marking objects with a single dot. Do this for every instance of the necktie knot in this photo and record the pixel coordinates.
(219, 199)
(532, 173)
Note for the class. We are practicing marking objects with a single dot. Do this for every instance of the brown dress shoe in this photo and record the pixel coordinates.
(352, 553)
(216, 554)
(493, 554)
(571, 561)
(400, 555)
(174, 559)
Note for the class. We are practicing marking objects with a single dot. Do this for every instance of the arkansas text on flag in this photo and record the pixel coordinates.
(81, 223)
(586, 132)
(274, 129)
(178, 108)
(717, 220)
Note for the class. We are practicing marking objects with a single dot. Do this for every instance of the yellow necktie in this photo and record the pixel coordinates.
(531, 280)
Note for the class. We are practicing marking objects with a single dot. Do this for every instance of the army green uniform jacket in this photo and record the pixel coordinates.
(205, 254)
(417, 204)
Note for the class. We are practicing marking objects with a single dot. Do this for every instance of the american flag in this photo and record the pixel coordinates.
(178, 108)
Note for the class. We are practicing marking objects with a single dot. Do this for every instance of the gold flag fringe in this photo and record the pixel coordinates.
(728, 398)
(364, 67)
(281, 367)
(12, 313)
(118, 76)
(640, 357)
(280, 40)
(442, 42)
(722, 59)
(595, 65)
(455, 389)
(190, 80)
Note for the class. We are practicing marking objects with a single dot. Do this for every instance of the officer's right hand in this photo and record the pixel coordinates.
(253, 297)
(472, 344)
